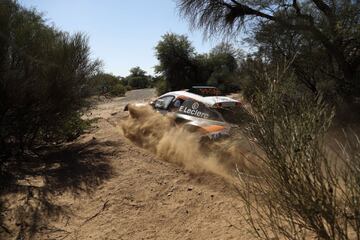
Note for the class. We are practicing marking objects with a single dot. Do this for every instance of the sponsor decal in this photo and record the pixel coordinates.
(193, 111)
(195, 105)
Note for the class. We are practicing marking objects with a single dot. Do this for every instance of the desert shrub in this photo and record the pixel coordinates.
(138, 79)
(68, 129)
(118, 90)
(181, 67)
(104, 83)
(44, 78)
(137, 82)
(162, 86)
(302, 190)
(250, 77)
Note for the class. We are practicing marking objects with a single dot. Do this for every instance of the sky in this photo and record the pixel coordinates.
(122, 33)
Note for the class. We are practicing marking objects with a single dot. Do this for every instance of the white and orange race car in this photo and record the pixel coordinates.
(201, 109)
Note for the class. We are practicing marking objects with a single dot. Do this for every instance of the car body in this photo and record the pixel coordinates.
(200, 109)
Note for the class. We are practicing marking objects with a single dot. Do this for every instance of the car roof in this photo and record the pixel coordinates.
(209, 101)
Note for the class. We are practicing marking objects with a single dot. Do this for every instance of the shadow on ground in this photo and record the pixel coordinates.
(30, 186)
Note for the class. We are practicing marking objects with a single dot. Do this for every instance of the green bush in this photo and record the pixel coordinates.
(118, 90)
(104, 83)
(162, 86)
(181, 67)
(45, 75)
(68, 130)
(138, 78)
(137, 82)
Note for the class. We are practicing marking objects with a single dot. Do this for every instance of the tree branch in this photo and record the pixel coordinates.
(296, 7)
(322, 6)
(241, 10)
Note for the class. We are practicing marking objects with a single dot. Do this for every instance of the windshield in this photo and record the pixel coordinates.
(197, 109)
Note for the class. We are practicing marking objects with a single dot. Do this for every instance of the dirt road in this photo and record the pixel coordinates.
(138, 196)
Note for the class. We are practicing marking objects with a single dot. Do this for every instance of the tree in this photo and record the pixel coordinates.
(44, 78)
(223, 62)
(175, 54)
(137, 72)
(182, 67)
(138, 78)
(104, 83)
(332, 24)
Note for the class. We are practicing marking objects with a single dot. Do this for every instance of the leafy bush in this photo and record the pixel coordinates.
(104, 83)
(162, 86)
(69, 130)
(45, 75)
(138, 78)
(118, 90)
(181, 67)
(138, 82)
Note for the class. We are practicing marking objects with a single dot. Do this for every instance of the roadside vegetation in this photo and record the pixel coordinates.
(45, 74)
(115, 86)
(180, 67)
(303, 83)
(46, 79)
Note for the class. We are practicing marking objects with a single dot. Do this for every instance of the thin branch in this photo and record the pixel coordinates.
(96, 214)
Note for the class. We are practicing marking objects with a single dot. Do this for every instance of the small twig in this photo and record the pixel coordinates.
(5, 229)
(67, 221)
(54, 229)
(232, 225)
(97, 214)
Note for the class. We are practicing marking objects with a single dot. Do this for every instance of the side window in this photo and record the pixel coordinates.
(175, 104)
(164, 102)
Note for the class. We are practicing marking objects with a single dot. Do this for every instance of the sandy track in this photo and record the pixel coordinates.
(145, 198)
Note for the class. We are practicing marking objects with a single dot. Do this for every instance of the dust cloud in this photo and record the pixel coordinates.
(158, 133)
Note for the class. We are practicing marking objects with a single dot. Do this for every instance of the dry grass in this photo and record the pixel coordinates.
(303, 191)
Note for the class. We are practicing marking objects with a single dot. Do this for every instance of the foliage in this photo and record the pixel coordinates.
(45, 75)
(182, 67)
(138, 78)
(252, 81)
(69, 130)
(326, 34)
(302, 190)
(103, 83)
(161, 86)
(175, 54)
(118, 90)
(312, 67)
(223, 64)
